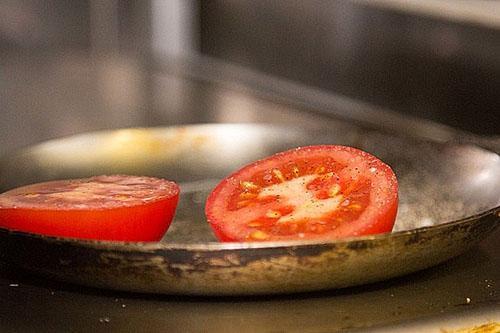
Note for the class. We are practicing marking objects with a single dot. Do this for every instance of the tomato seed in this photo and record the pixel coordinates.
(273, 214)
(247, 195)
(254, 224)
(249, 185)
(278, 175)
(320, 170)
(259, 235)
(355, 206)
(296, 171)
(334, 190)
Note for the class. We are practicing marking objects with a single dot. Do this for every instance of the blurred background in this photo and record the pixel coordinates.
(73, 66)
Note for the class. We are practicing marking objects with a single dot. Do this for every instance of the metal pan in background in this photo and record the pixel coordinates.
(449, 200)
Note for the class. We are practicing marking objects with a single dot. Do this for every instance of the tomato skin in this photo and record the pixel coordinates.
(366, 189)
(138, 221)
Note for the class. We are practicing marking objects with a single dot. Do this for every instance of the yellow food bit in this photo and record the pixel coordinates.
(491, 327)
(273, 214)
(334, 190)
(296, 171)
(355, 206)
(249, 185)
(259, 235)
(320, 169)
(254, 224)
(278, 175)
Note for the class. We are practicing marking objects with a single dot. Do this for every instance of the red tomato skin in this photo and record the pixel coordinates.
(380, 220)
(146, 222)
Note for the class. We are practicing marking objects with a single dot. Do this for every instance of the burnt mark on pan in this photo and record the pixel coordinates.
(361, 245)
(415, 238)
(472, 229)
(179, 262)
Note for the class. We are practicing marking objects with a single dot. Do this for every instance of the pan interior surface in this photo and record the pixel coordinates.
(438, 183)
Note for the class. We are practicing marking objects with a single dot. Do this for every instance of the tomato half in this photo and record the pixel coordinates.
(124, 208)
(316, 192)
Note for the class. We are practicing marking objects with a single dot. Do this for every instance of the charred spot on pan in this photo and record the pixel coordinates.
(484, 226)
(201, 261)
(415, 238)
(312, 250)
(360, 245)
(177, 272)
(267, 254)
(179, 255)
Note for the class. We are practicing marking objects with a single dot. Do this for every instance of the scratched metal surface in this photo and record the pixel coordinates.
(449, 201)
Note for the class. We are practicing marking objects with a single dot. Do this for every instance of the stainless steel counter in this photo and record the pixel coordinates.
(58, 94)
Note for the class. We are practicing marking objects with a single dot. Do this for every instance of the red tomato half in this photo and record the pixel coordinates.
(316, 192)
(125, 208)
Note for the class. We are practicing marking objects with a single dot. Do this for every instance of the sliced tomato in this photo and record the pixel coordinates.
(125, 208)
(316, 192)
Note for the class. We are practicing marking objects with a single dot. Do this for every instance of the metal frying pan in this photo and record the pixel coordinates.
(449, 200)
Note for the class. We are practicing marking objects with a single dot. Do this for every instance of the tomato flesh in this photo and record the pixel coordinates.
(118, 207)
(315, 192)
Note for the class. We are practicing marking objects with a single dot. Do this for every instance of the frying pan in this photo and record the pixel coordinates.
(449, 200)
